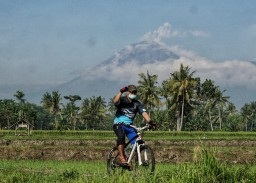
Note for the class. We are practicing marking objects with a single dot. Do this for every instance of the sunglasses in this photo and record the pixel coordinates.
(133, 92)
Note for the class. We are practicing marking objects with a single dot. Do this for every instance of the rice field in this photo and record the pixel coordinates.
(205, 167)
(208, 169)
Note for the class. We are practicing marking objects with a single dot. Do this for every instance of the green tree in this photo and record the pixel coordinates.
(93, 112)
(52, 103)
(72, 109)
(20, 97)
(208, 93)
(248, 112)
(148, 91)
(182, 87)
(8, 111)
(169, 114)
(220, 101)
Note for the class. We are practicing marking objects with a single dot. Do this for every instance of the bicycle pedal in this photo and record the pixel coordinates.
(124, 165)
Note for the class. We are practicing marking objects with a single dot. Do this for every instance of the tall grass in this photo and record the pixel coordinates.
(208, 168)
(205, 168)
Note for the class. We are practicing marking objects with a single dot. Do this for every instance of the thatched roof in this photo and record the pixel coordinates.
(22, 121)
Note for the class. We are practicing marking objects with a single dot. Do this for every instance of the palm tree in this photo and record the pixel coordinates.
(52, 103)
(165, 93)
(182, 87)
(148, 91)
(208, 92)
(20, 97)
(73, 109)
(93, 111)
(247, 113)
(220, 102)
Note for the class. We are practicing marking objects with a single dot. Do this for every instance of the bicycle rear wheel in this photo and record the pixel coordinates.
(148, 161)
(113, 164)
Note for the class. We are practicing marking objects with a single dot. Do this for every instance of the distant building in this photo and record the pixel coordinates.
(22, 124)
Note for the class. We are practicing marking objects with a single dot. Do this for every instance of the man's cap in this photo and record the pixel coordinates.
(132, 88)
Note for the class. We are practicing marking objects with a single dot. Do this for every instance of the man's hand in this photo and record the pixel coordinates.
(152, 124)
(124, 89)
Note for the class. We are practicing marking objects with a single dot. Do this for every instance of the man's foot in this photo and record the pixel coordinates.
(123, 161)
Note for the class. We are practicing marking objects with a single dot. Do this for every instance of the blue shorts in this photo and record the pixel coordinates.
(121, 131)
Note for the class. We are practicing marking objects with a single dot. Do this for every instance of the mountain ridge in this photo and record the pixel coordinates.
(106, 78)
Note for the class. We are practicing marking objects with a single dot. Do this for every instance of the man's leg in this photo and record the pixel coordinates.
(121, 154)
(120, 142)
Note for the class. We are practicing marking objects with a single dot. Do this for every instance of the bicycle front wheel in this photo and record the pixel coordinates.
(147, 166)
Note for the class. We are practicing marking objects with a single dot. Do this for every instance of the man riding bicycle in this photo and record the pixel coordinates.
(127, 108)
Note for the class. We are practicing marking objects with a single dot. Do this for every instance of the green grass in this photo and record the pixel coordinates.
(207, 169)
(109, 135)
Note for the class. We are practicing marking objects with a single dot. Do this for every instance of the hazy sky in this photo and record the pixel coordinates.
(52, 41)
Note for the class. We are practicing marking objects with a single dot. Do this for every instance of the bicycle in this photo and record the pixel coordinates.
(142, 155)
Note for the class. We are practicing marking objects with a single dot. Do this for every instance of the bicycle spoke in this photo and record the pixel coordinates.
(147, 166)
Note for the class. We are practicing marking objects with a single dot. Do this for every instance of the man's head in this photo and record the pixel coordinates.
(132, 89)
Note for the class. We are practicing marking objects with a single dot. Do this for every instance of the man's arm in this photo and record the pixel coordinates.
(149, 121)
(146, 116)
(117, 97)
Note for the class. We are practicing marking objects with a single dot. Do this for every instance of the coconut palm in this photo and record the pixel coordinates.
(52, 103)
(208, 92)
(93, 111)
(20, 97)
(148, 91)
(220, 101)
(72, 109)
(214, 101)
(182, 87)
(165, 93)
(247, 113)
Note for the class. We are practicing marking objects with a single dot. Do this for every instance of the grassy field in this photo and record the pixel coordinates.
(206, 167)
(207, 170)
(109, 135)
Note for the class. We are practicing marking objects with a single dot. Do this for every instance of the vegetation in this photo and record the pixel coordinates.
(206, 168)
(110, 135)
(181, 102)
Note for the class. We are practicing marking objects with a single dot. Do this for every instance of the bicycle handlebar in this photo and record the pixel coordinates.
(139, 128)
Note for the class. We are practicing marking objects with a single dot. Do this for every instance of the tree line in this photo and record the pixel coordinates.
(180, 102)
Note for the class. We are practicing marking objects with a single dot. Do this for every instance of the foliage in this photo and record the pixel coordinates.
(181, 102)
(148, 91)
(207, 169)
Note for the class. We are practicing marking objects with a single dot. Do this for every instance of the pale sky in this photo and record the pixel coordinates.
(53, 41)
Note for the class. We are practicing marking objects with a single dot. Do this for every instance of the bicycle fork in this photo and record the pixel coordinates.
(137, 146)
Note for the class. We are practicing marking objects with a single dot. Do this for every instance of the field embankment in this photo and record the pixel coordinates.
(180, 148)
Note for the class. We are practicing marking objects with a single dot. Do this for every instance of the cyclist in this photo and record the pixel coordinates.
(127, 108)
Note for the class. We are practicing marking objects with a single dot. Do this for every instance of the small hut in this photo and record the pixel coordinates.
(22, 124)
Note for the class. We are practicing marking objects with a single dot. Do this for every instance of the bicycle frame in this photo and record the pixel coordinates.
(140, 153)
(137, 144)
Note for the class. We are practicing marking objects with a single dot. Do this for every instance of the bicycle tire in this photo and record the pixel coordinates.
(113, 164)
(148, 161)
